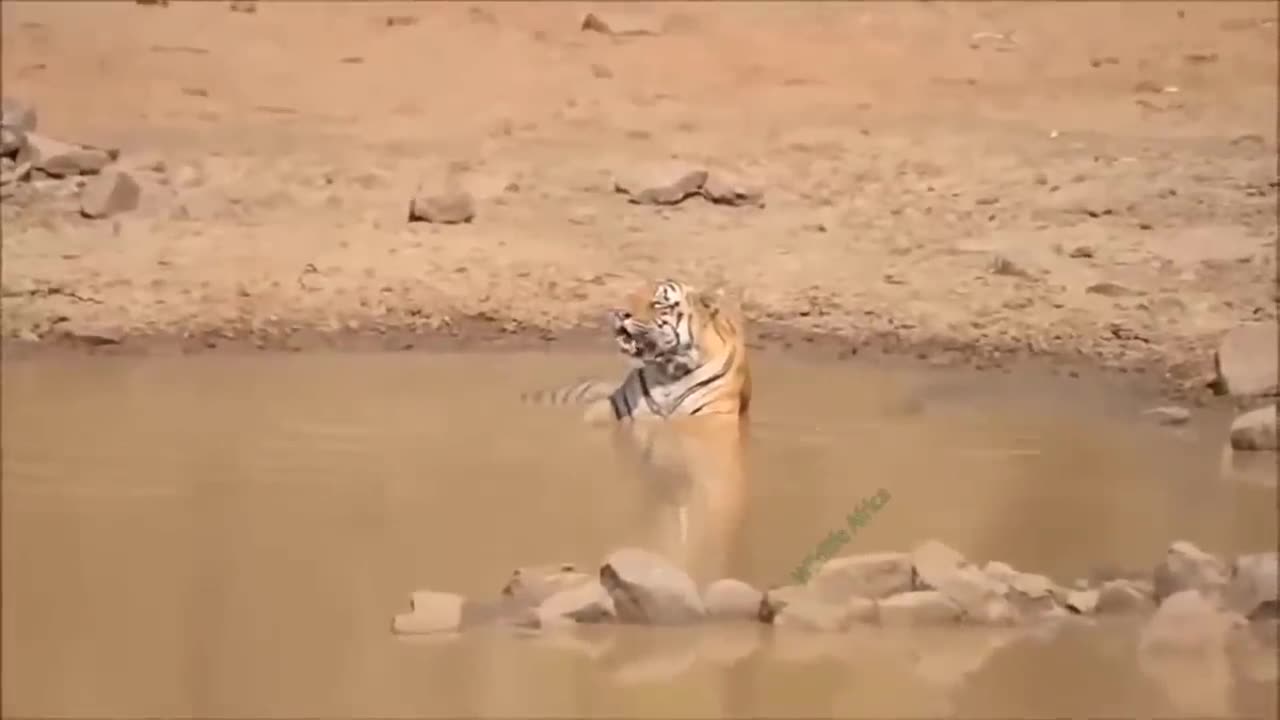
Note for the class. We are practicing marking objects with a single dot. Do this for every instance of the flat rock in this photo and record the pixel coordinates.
(619, 24)
(1252, 590)
(661, 184)
(531, 586)
(16, 114)
(1246, 361)
(919, 607)
(1255, 430)
(873, 576)
(109, 194)
(730, 599)
(932, 561)
(1122, 596)
(1169, 415)
(62, 159)
(432, 612)
(648, 588)
(723, 189)
(1082, 602)
(445, 208)
(810, 613)
(586, 602)
(1187, 567)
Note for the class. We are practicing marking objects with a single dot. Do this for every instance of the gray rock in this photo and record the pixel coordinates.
(109, 194)
(1246, 361)
(586, 602)
(664, 184)
(12, 142)
(619, 24)
(1252, 590)
(730, 599)
(1187, 621)
(17, 114)
(1187, 567)
(931, 561)
(919, 607)
(61, 159)
(874, 576)
(1255, 430)
(811, 613)
(981, 597)
(445, 208)
(1169, 415)
(776, 600)
(1122, 596)
(432, 612)
(722, 189)
(647, 588)
(1082, 602)
(1031, 594)
(531, 586)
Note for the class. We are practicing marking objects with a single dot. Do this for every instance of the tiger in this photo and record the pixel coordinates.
(682, 411)
(690, 358)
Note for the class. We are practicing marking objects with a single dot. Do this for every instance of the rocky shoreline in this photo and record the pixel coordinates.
(1190, 602)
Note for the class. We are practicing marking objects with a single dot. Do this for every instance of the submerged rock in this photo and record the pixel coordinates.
(1187, 567)
(1255, 430)
(919, 607)
(648, 588)
(730, 599)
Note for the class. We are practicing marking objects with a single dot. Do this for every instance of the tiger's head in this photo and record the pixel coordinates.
(676, 329)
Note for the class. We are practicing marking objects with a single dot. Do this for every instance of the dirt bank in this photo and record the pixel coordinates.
(966, 181)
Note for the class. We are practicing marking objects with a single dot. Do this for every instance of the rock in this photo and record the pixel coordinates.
(447, 207)
(432, 612)
(18, 172)
(919, 607)
(874, 576)
(1030, 594)
(1122, 596)
(724, 190)
(531, 586)
(1187, 567)
(1169, 415)
(61, 159)
(17, 114)
(109, 194)
(647, 588)
(775, 600)
(811, 613)
(1255, 430)
(1110, 289)
(1252, 590)
(1246, 361)
(1186, 621)
(1081, 252)
(932, 560)
(12, 142)
(730, 599)
(1082, 602)
(586, 602)
(661, 184)
(618, 24)
(244, 6)
(980, 596)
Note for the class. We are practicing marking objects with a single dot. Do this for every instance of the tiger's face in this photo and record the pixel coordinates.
(663, 329)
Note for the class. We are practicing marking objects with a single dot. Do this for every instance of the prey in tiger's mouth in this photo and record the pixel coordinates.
(642, 340)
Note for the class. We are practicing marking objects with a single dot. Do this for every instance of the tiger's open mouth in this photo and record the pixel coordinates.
(638, 339)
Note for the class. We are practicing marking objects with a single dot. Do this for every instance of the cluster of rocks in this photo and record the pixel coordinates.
(1247, 364)
(29, 158)
(1188, 594)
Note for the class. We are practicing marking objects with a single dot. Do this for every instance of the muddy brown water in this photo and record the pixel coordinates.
(229, 536)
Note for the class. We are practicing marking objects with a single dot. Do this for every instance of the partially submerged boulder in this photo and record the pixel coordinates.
(647, 588)
(1187, 567)
(1255, 430)
(872, 576)
(730, 599)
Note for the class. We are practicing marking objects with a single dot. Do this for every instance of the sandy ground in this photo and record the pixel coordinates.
(964, 180)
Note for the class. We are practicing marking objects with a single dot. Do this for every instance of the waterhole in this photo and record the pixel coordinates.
(226, 536)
